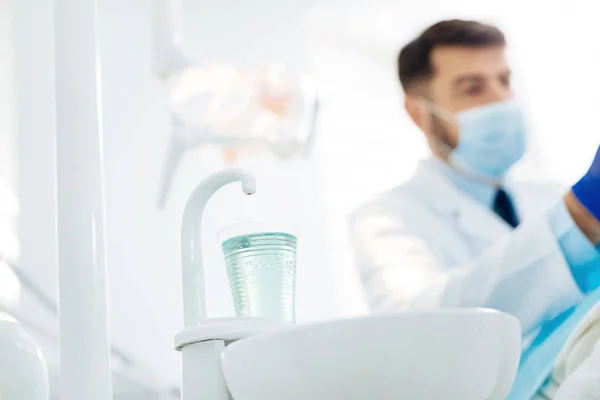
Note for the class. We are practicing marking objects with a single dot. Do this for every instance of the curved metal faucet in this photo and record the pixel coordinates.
(194, 295)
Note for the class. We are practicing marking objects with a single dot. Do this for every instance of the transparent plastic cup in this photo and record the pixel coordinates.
(261, 266)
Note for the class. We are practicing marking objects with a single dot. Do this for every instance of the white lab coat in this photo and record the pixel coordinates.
(426, 244)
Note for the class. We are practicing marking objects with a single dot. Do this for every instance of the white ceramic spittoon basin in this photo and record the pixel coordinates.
(467, 354)
(454, 354)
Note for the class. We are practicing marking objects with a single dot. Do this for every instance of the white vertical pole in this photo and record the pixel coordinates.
(85, 346)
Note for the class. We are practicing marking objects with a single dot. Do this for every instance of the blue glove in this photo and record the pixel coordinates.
(587, 190)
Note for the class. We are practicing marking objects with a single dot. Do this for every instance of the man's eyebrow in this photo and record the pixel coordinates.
(476, 78)
(468, 78)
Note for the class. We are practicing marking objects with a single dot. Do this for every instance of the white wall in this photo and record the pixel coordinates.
(563, 82)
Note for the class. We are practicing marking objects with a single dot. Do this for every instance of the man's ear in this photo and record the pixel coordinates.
(418, 111)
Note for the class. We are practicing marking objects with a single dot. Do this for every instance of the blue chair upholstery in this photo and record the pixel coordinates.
(538, 360)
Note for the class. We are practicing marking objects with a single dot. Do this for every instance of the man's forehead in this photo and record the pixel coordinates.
(451, 61)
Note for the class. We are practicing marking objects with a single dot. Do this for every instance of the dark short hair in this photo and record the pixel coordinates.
(414, 60)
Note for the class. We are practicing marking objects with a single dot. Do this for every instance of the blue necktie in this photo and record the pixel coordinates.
(503, 206)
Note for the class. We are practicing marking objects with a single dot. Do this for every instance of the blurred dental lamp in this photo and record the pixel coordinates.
(245, 111)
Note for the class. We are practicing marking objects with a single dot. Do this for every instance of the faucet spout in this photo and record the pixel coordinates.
(194, 294)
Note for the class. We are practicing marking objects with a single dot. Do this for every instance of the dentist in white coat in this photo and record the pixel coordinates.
(460, 233)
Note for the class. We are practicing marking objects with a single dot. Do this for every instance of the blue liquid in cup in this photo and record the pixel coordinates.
(262, 274)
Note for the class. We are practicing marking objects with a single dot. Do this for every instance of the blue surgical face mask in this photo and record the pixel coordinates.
(492, 138)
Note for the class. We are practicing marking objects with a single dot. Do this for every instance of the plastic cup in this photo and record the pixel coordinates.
(261, 266)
